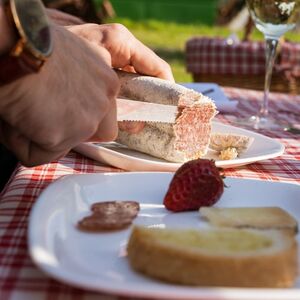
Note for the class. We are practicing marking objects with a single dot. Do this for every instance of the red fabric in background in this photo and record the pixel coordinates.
(217, 56)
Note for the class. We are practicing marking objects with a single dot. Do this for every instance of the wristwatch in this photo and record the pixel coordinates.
(34, 44)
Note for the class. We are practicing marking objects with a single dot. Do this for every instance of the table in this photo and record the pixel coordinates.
(20, 279)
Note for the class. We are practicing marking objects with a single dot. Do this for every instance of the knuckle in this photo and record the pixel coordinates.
(117, 32)
(117, 28)
(52, 138)
(92, 26)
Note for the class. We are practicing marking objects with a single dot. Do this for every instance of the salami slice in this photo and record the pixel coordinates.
(126, 208)
(98, 223)
(109, 216)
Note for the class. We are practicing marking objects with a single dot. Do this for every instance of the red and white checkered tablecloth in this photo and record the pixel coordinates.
(20, 279)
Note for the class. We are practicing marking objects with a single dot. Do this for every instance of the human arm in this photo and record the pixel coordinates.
(72, 99)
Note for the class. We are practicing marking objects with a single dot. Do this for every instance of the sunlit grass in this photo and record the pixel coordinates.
(160, 34)
(168, 39)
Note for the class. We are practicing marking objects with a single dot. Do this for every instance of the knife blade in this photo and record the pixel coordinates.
(132, 110)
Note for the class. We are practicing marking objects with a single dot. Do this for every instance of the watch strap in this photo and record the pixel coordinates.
(15, 67)
(19, 61)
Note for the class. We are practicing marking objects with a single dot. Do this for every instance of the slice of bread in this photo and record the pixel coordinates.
(221, 141)
(215, 257)
(250, 217)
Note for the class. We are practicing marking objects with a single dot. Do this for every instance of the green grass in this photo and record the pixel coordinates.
(180, 11)
(168, 39)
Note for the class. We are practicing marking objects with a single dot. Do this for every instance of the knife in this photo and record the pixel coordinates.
(133, 110)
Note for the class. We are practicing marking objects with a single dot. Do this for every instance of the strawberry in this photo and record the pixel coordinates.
(196, 183)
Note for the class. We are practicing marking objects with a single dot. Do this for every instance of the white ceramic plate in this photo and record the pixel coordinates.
(121, 157)
(98, 261)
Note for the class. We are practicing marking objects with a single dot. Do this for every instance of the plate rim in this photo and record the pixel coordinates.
(84, 148)
(204, 292)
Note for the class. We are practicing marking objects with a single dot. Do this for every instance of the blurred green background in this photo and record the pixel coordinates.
(181, 11)
(166, 25)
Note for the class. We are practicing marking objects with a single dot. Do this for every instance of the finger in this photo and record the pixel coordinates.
(126, 50)
(108, 126)
(29, 153)
(102, 52)
(132, 127)
(153, 65)
(129, 69)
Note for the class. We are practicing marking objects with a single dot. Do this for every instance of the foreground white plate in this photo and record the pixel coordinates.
(121, 157)
(98, 261)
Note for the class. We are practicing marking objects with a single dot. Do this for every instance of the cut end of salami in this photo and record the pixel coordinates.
(188, 138)
(193, 129)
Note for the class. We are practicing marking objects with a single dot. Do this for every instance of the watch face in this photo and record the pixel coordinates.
(33, 25)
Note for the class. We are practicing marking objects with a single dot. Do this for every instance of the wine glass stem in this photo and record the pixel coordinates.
(271, 45)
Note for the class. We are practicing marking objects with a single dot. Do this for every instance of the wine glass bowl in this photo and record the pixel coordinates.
(273, 18)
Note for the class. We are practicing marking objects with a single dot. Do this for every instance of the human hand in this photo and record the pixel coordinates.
(127, 52)
(61, 18)
(71, 100)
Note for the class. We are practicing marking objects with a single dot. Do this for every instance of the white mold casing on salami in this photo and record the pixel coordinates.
(188, 138)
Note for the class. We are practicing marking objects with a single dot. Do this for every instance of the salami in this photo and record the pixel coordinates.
(126, 208)
(188, 138)
(110, 216)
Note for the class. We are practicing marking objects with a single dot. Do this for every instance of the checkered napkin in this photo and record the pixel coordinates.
(217, 56)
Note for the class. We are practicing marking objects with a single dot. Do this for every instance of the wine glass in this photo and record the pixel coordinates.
(273, 18)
